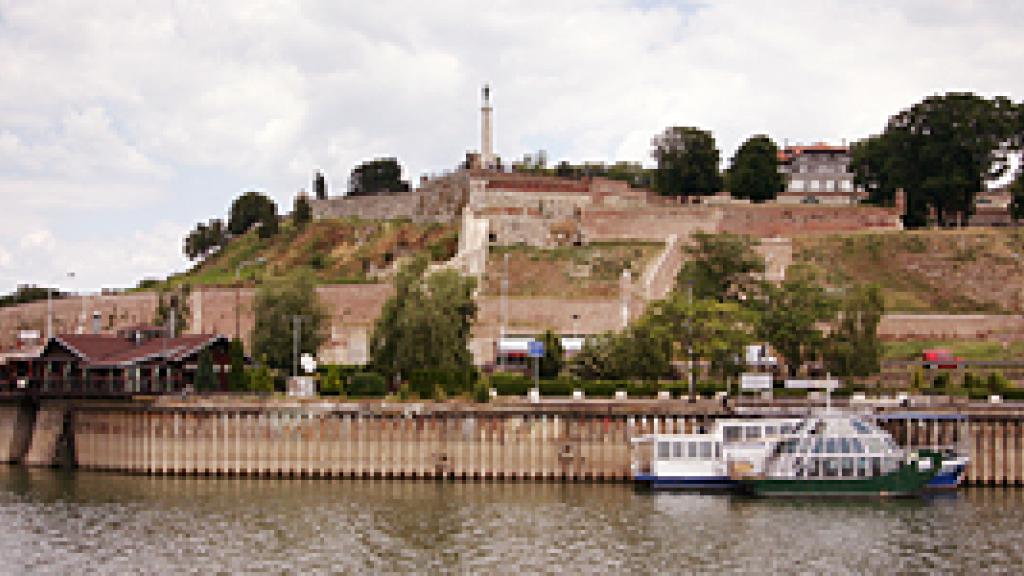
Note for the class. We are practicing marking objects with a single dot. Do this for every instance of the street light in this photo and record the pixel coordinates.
(238, 271)
(49, 309)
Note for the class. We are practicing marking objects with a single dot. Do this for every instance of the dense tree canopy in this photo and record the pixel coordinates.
(754, 172)
(277, 303)
(720, 266)
(853, 348)
(205, 239)
(253, 208)
(687, 162)
(792, 315)
(302, 212)
(426, 324)
(1017, 197)
(551, 362)
(377, 177)
(939, 151)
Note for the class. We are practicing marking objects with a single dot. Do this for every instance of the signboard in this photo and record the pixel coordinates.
(813, 384)
(757, 355)
(308, 363)
(755, 381)
(535, 349)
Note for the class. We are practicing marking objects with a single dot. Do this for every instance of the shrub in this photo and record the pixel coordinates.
(481, 391)
(451, 381)
(602, 388)
(367, 384)
(557, 387)
(642, 389)
(676, 388)
(941, 382)
(997, 383)
(261, 379)
(510, 384)
(709, 389)
(1013, 394)
(972, 380)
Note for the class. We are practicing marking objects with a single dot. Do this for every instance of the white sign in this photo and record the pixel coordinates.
(755, 381)
(308, 363)
(813, 384)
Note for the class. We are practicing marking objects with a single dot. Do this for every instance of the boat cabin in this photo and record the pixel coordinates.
(836, 447)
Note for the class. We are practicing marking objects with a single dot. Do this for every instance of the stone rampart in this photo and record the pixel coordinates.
(951, 327)
(116, 311)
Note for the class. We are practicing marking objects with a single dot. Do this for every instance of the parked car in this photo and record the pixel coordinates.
(940, 359)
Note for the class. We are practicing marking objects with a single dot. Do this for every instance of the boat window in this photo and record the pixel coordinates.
(876, 466)
(770, 431)
(705, 449)
(663, 450)
(848, 467)
(830, 467)
(785, 429)
(753, 432)
(860, 427)
(677, 449)
(814, 467)
(691, 449)
(819, 445)
(718, 449)
(862, 465)
(855, 446)
(874, 445)
(831, 447)
(733, 433)
(844, 445)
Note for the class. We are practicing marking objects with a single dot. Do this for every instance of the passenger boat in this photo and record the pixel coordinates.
(703, 461)
(835, 455)
(951, 473)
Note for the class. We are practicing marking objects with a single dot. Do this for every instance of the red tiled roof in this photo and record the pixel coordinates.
(104, 350)
(789, 152)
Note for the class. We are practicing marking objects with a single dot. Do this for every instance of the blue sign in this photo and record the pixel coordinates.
(535, 349)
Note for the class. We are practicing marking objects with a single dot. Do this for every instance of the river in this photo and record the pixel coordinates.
(67, 522)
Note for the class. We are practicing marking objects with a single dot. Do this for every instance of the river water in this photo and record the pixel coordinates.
(65, 522)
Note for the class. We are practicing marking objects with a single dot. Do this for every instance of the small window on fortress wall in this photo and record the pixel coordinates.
(492, 237)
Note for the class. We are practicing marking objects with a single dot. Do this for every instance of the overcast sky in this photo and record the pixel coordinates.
(121, 126)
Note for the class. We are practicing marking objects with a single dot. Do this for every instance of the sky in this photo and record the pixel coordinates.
(122, 124)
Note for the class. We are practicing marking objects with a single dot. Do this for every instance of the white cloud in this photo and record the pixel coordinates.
(115, 115)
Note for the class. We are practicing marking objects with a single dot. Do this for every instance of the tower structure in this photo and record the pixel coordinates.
(486, 131)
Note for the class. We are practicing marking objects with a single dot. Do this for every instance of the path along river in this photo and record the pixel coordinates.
(63, 522)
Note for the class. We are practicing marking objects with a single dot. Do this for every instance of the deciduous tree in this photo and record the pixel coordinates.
(253, 208)
(754, 172)
(376, 177)
(721, 266)
(277, 303)
(687, 162)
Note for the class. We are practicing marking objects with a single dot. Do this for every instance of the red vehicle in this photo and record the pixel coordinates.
(941, 359)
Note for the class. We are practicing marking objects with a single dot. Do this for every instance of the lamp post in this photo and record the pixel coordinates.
(238, 271)
(49, 309)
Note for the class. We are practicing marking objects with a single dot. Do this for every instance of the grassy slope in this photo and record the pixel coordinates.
(956, 271)
(337, 251)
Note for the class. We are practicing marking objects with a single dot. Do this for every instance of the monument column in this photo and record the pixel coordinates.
(486, 135)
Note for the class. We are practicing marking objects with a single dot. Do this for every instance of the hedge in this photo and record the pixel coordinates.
(641, 389)
(602, 388)
(558, 387)
(510, 384)
(367, 384)
(454, 382)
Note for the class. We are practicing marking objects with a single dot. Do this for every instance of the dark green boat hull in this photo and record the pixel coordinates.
(905, 482)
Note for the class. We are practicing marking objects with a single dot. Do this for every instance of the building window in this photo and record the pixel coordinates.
(814, 186)
(830, 185)
(796, 185)
(847, 186)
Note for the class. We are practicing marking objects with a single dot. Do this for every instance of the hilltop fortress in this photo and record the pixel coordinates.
(497, 209)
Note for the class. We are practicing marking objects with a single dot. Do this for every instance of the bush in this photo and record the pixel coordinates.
(997, 383)
(602, 388)
(331, 382)
(972, 380)
(510, 384)
(941, 382)
(482, 392)
(709, 389)
(978, 393)
(451, 382)
(367, 385)
(558, 387)
(676, 388)
(1013, 394)
(642, 389)
(261, 379)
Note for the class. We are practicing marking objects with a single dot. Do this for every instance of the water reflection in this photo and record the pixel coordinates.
(78, 521)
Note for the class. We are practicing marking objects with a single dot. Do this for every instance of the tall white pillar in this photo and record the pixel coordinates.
(486, 131)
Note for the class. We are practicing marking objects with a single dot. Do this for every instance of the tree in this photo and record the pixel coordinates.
(853, 348)
(1017, 197)
(205, 238)
(687, 163)
(237, 379)
(302, 212)
(721, 266)
(204, 371)
(426, 324)
(260, 378)
(754, 172)
(378, 176)
(250, 209)
(551, 363)
(637, 352)
(791, 318)
(277, 303)
(939, 151)
(319, 186)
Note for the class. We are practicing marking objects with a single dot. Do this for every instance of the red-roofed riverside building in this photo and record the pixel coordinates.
(817, 174)
(138, 360)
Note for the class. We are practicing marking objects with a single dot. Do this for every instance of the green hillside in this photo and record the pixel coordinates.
(966, 270)
(336, 251)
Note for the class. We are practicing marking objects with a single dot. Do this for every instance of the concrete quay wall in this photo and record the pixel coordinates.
(576, 441)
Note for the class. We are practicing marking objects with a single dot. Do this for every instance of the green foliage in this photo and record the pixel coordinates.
(510, 384)
(791, 314)
(972, 380)
(261, 378)
(853, 348)
(302, 211)
(27, 293)
(557, 387)
(637, 352)
(177, 300)
(376, 177)
(939, 151)
(754, 171)
(367, 385)
(205, 238)
(997, 383)
(253, 208)
(238, 377)
(277, 303)
(481, 392)
(551, 362)
(942, 382)
(687, 163)
(1017, 198)
(426, 382)
(331, 382)
(426, 324)
(641, 389)
(603, 388)
(204, 371)
(720, 266)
